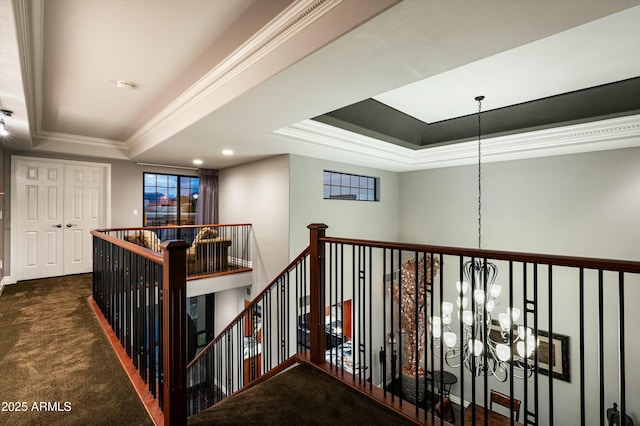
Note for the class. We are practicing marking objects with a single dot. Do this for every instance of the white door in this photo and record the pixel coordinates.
(56, 205)
(39, 197)
(83, 210)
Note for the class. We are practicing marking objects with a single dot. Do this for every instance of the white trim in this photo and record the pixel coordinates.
(298, 16)
(456, 400)
(9, 280)
(86, 140)
(286, 25)
(614, 133)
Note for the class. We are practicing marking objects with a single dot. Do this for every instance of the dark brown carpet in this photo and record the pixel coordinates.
(53, 351)
(299, 396)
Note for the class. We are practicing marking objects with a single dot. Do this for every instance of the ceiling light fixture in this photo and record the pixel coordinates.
(478, 348)
(4, 131)
(197, 162)
(227, 152)
(124, 85)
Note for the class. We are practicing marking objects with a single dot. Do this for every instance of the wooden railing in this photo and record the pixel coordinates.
(258, 340)
(139, 286)
(350, 315)
(142, 295)
(341, 305)
(214, 249)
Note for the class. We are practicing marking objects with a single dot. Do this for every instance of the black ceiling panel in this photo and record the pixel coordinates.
(380, 121)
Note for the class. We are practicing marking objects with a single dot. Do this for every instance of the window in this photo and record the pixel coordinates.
(170, 199)
(345, 186)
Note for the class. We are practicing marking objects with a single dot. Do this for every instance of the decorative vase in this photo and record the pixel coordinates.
(409, 387)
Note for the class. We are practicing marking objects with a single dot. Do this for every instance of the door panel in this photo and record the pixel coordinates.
(31, 258)
(39, 213)
(83, 210)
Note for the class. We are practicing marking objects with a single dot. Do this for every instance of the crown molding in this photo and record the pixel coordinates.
(324, 135)
(285, 26)
(29, 18)
(614, 133)
(86, 140)
(81, 145)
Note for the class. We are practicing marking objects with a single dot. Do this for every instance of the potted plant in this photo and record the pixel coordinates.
(410, 294)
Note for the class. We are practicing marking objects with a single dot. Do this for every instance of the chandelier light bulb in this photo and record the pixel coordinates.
(462, 302)
(524, 333)
(476, 347)
(436, 326)
(447, 308)
(437, 331)
(479, 296)
(467, 318)
(450, 339)
(515, 313)
(490, 306)
(505, 321)
(464, 285)
(495, 291)
(503, 352)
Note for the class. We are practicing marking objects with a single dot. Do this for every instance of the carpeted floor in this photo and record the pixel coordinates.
(299, 396)
(56, 365)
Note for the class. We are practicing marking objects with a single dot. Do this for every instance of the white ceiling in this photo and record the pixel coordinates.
(239, 74)
(589, 55)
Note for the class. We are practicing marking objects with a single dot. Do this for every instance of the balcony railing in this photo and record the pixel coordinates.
(352, 307)
(383, 317)
(139, 285)
(213, 249)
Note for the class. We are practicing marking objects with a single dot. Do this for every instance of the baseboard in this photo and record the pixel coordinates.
(455, 399)
(8, 280)
(4, 282)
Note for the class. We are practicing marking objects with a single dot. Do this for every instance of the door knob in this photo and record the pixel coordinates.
(56, 226)
(69, 225)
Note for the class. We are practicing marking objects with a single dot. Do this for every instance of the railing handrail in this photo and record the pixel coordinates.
(255, 300)
(573, 261)
(140, 228)
(147, 253)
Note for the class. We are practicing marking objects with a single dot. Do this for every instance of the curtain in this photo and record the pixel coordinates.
(207, 209)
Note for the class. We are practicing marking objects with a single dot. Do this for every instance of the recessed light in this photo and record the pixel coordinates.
(197, 162)
(227, 152)
(124, 85)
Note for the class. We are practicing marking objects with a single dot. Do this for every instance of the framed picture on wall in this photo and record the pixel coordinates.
(556, 360)
(559, 365)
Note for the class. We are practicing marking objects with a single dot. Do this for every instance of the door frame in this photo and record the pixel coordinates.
(12, 278)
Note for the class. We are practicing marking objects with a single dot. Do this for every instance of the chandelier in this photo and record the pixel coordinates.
(485, 345)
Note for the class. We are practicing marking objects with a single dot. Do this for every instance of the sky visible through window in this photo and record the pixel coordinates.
(170, 199)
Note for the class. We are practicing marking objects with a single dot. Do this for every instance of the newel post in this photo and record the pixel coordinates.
(317, 326)
(174, 328)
